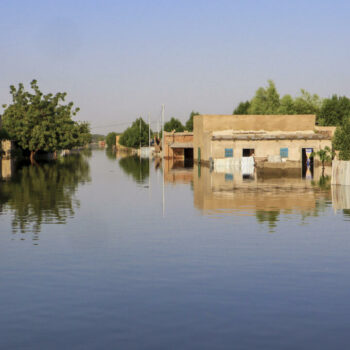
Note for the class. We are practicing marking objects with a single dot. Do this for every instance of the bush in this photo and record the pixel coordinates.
(341, 140)
(111, 139)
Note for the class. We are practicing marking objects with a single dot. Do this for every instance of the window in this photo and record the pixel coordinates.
(228, 177)
(228, 152)
(284, 152)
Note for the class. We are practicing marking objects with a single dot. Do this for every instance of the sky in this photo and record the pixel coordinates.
(119, 60)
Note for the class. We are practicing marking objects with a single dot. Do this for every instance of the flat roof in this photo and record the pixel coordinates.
(181, 145)
(267, 137)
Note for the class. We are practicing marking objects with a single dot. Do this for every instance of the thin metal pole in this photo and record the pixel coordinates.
(163, 150)
(163, 160)
(149, 134)
(140, 136)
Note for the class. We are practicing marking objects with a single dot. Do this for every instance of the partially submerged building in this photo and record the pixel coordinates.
(178, 145)
(274, 138)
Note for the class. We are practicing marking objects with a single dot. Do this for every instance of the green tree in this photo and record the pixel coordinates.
(325, 155)
(307, 103)
(39, 122)
(334, 110)
(266, 100)
(242, 108)
(341, 140)
(111, 139)
(137, 132)
(3, 134)
(174, 124)
(286, 105)
(189, 123)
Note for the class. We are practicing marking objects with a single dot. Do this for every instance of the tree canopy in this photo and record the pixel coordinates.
(242, 108)
(189, 123)
(268, 101)
(39, 122)
(174, 124)
(111, 139)
(334, 110)
(131, 136)
(341, 140)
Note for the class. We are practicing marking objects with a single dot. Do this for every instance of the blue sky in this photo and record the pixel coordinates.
(121, 59)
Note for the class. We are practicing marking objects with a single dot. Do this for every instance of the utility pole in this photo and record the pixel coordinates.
(163, 131)
(140, 136)
(163, 160)
(149, 134)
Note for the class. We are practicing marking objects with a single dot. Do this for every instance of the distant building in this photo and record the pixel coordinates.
(274, 138)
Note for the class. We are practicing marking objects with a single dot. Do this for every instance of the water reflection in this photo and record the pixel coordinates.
(136, 167)
(265, 196)
(178, 171)
(43, 194)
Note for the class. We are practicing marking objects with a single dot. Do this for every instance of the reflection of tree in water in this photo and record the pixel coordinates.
(346, 213)
(137, 167)
(111, 153)
(323, 183)
(44, 193)
(269, 216)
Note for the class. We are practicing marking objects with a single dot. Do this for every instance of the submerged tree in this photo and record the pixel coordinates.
(325, 155)
(39, 122)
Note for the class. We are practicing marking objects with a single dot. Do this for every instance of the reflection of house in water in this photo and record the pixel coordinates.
(177, 171)
(7, 168)
(222, 192)
(231, 139)
(341, 197)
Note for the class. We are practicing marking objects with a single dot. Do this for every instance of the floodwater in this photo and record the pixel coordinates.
(105, 252)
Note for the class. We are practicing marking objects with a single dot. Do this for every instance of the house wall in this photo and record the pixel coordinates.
(176, 137)
(205, 125)
(265, 148)
(6, 147)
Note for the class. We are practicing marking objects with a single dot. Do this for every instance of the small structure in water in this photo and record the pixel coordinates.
(178, 146)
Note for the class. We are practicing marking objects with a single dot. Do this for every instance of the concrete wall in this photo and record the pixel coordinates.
(205, 125)
(265, 148)
(341, 172)
(6, 148)
(257, 122)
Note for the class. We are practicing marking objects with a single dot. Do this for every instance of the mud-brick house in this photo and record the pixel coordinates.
(178, 145)
(284, 138)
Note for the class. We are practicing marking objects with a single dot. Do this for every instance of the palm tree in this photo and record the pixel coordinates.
(326, 155)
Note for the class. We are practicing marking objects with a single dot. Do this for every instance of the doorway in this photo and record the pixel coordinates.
(188, 157)
(307, 163)
(248, 152)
